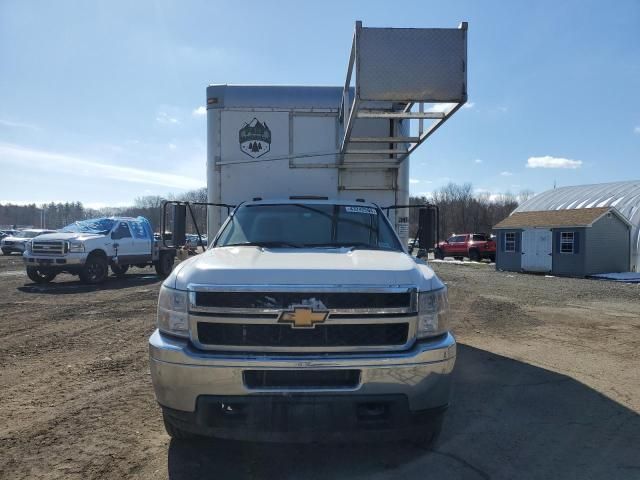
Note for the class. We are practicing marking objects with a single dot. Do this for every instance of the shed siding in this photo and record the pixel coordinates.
(572, 264)
(607, 246)
(511, 262)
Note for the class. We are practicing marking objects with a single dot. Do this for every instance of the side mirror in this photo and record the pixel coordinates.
(178, 236)
(427, 226)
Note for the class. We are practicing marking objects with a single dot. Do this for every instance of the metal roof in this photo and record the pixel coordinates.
(576, 217)
(274, 96)
(624, 196)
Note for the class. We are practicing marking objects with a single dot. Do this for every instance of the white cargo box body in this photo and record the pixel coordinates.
(279, 141)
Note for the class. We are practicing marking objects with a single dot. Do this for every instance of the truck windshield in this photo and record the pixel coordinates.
(94, 225)
(309, 225)
(27, 234)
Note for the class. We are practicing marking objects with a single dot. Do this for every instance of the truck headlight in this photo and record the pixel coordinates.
(172, 312)
(27, 246)
(75, 247)
(433, 310)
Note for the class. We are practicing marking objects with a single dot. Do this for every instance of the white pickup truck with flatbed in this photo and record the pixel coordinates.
(89, 247)
(306, 318)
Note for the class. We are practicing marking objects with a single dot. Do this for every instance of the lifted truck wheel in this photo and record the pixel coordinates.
(6, 252)
(176, 432)
(40, 276)
(164, 265)
(119, 270)
(95, 270)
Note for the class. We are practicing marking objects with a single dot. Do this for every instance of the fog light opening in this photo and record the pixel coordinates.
(372, 411)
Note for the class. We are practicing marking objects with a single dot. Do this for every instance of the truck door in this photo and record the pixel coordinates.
(141, 241)
(122, 241)
(457, 245)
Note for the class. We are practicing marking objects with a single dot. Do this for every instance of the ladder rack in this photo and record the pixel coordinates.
(394, 70)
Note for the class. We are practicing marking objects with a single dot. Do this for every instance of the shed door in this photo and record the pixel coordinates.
(536, 250)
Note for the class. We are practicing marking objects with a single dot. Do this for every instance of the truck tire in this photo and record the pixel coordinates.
(95, 270)
(428, 437)
(177, 432)
(438, 254)
(119, 270)
(164, 265)
(37, 275)
(474, 256)
(6, 251)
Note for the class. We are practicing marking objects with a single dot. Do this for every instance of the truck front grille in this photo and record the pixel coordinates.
(275, 335)
(48, 247)
(285, 300)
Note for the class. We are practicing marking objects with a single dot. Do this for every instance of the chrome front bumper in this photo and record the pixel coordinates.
(76, 259)
(181, 374)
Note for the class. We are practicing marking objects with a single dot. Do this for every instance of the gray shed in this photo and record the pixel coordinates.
(575, 242)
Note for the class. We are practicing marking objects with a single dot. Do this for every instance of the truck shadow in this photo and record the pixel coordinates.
(508, 420)
(63, 287)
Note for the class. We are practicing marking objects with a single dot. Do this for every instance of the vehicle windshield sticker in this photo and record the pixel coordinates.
(370, 211)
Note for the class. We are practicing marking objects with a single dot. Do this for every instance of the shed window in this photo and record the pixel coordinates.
(510, 242)
(567, 242)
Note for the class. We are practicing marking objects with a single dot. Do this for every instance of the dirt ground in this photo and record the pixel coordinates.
(547, 385)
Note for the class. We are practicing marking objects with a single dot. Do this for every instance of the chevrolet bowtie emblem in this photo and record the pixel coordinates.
(303, 317)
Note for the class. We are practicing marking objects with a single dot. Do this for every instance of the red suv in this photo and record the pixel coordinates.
(475, 246)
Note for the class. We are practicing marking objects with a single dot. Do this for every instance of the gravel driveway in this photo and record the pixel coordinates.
(547, 385)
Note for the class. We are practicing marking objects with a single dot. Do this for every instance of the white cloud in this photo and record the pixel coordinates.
(165, 119)
(425, 194)
(440, 107)
(172, 146)
(637, 129)
(99, 205)
(445, 107)
(65, 165)
(552, 162)
(414, 180)
(199, 112)
(477, 160)
(12, 124)
(506, 174)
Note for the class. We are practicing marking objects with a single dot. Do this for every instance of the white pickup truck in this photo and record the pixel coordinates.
(89, 247)
(306, 318)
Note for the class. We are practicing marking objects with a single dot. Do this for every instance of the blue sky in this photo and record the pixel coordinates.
(98, 100)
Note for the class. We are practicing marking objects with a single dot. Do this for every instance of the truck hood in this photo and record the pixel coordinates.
(262, 266)
(69, 236)
(16, 239)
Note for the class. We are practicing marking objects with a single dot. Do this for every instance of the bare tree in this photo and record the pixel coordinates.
(463, 212)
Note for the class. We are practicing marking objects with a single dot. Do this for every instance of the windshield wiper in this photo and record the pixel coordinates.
(264, 244)
(350, 245)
